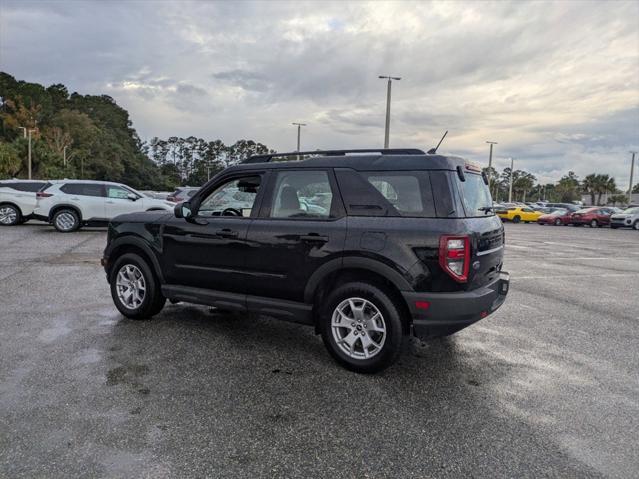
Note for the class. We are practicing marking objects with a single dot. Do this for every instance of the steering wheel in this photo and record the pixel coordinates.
(231, 212)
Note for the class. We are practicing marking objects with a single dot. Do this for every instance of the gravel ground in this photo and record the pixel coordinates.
(546, 387)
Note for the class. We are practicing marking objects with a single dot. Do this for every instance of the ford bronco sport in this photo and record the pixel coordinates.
(366, 246)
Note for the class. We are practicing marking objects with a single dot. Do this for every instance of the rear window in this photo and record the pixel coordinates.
(475, 196)
(386, 193)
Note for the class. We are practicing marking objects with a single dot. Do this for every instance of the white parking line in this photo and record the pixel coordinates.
(568, 276)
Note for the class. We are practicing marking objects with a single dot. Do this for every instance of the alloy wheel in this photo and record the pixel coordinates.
(8, 215)
(358, 328)
(65, 221)
(131, 286)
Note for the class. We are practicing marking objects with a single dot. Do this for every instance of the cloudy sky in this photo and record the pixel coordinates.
(556, 84)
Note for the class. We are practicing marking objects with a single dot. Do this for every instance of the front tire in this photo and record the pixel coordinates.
(362, 328)
(594, 224)
(134, 288)
(10, 215)
(635, 226)
(66, 220)
(557, 222)
(516, 219)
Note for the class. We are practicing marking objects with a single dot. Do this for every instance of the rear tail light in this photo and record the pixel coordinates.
(42, 194)
(171, 198)
(454, 256)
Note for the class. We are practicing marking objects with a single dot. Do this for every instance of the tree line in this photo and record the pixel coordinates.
(90, 136)
(569, 188)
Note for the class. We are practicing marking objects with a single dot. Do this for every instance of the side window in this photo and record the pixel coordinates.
(233, 198)
(27, 186)
(527, 210)
(117, 192)
(403, 191)
(83, 189)
(302, 194)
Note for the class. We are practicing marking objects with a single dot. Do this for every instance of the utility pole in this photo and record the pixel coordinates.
(632, 172)
(388, 101)
(64, 156)
(510, 189)
(490, 162)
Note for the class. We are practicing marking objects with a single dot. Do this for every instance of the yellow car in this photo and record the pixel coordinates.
(519, 213)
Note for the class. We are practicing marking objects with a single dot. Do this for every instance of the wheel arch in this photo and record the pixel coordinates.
(350, 269)
(66, 206)
(132, 244)
(11, 203)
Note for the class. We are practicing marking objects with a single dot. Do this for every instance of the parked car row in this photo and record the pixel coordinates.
(566, 214)
(71, 204)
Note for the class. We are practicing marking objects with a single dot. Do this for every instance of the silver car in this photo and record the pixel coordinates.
(627, 219)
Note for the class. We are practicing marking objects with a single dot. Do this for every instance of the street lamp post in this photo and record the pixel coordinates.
(632, 172)
(299, 134)
(490, 162)
(29, 136)
(510, 188)
(388, 100)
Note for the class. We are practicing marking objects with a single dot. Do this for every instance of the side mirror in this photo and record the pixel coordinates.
(183, 210)
(132, 197)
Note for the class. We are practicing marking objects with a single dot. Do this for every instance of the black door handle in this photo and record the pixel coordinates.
(226, 233)
(314, 238)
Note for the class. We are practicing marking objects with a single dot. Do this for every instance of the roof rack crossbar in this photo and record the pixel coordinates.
(383, 151)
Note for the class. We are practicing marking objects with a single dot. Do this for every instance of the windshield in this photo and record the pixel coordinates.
(632, 211)
(476, 197)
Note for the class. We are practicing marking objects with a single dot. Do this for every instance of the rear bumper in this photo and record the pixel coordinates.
(455, 310)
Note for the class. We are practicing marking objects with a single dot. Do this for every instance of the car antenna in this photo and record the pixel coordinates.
(432, 151)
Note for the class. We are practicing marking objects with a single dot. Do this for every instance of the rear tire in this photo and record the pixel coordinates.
(635, 226)
(594, 224)
(10, 215)
(516, 219)
(557, 222)
(134, 288)
(362, 328)
(66, 220)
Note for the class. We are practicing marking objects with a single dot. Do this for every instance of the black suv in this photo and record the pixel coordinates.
(366, 246)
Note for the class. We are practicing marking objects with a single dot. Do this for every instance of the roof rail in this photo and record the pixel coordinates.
(383, 151)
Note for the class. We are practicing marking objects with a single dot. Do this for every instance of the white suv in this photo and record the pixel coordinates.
(69, 204)
(17, 200)
(629, 218)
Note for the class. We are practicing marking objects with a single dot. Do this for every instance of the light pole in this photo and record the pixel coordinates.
(490, 162)
(64, 156)
(299, 133)
(388, 100)
(632, 172)
(510, 188)
(29, 135)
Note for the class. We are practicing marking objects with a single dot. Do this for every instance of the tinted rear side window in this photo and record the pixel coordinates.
(30, 187)
(83, 189)
(385, 193)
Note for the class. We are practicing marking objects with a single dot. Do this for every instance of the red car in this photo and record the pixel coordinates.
(558, 217)
(591, 216)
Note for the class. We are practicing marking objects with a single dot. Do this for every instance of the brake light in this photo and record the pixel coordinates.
(42, 194)
(454, 256)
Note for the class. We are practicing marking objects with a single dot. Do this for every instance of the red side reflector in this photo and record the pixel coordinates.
(483, 314)
(422, 304)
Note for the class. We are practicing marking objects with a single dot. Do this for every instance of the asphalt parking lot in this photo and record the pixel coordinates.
(548, 386)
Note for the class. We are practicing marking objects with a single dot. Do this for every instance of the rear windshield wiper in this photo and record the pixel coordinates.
(486, 209)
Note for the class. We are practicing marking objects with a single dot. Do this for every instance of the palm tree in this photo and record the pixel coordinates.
(590, 186)
(604, 184)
